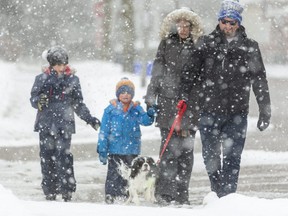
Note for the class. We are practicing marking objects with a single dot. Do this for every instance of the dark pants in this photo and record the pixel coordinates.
(56, 164)
(115, 184)
(227, 133)
(175, 166)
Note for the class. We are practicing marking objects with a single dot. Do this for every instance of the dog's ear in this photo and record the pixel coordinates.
(136, 166)
(154, 168)
(151, 161)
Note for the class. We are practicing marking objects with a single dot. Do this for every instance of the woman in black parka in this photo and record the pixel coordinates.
(57, 95)
(179, 31)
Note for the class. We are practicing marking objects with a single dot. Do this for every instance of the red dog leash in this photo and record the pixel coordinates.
(181, 106)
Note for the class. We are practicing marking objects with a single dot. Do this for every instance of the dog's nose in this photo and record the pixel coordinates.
(145, 166)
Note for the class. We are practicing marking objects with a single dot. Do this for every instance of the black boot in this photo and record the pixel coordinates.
(67, 197)
(109, 199)
(164, 200)
(51, 197)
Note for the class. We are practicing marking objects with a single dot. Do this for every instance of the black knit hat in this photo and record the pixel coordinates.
(57, 55)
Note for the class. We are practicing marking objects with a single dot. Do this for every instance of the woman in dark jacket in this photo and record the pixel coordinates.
(179, 31)
(56, 94)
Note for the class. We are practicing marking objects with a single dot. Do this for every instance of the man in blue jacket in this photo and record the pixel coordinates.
(57, 95)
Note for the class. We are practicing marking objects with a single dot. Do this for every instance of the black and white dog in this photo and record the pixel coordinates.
(141, 177)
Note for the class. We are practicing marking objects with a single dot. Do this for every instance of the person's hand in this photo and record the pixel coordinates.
(43, 101)
(95, 123)
(103, 157)
(181, 104)
(149, 101)
(151, 111)
(263, 121)
(148, 105)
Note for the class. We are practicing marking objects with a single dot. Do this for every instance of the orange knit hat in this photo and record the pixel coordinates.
(125, 85)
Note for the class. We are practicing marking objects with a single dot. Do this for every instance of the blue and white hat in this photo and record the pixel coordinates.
(231, 9)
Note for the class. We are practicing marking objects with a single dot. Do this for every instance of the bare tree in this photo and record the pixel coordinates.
(127, 19)
(10, 20)
(276, 12)
(30, 27)
(103, 13)
(146, 26)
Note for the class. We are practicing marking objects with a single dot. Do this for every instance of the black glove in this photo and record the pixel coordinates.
(43, 101)
(95, 123)
(263, 121)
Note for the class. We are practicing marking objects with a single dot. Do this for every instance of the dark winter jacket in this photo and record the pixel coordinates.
(65, 98)
(120, 131)
(165, 83)
(228, 72)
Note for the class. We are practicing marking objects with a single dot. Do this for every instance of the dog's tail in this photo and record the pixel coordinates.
(124, 170)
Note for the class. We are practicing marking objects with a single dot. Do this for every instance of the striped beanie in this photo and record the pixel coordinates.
(125, 85)
(231, 9)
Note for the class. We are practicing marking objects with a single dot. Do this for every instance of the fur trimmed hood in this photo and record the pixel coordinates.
(169, 22)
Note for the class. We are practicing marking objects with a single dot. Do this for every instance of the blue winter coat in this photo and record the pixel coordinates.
(65, 98)
(120, 131)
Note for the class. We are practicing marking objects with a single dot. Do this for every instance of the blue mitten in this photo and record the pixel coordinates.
(151, 111)
(103, 157)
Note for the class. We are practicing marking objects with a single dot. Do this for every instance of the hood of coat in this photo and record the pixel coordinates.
(169, 23)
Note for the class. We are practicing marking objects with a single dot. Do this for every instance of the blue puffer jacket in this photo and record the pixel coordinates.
(120, 131)
(65, 98)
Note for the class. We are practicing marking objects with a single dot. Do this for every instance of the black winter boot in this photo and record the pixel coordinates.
(51, 197)
(67, 197)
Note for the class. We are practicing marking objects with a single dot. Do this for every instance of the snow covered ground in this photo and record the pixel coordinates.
(98, 81)
(235, 204)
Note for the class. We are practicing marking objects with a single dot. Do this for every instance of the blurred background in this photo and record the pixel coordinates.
(124, 31)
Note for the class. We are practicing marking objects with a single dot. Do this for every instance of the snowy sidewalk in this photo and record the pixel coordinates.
(263, 174)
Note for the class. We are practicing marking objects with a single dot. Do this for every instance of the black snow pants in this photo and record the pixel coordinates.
(115, 184)
(56, 164)
(175, 167)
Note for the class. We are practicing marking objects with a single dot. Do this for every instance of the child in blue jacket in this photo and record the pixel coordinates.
(120, 137)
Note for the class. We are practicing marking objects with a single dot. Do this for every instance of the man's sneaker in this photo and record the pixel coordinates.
(51, 197)
(109, 199)
(67, 197)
